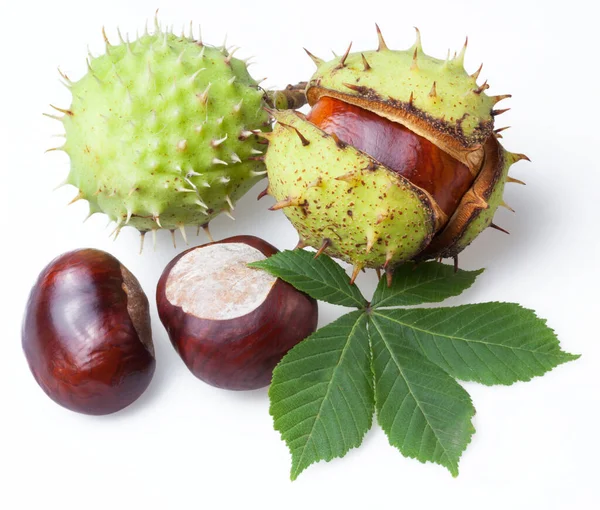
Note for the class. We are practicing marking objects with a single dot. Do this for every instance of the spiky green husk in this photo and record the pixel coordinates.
(161, 132)
(436, 99)
(441, 92)
(341, 199)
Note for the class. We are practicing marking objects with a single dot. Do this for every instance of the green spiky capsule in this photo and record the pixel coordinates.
(397, 160)
(161, 132)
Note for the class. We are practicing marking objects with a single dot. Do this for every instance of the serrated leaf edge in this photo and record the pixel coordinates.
(453, 468)
(377, 305)
(294, 474)
(264, 265)
(568, 356)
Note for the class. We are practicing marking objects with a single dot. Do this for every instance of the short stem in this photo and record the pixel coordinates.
(290, 98)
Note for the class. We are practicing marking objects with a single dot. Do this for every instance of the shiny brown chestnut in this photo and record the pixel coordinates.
(231, 324)
(86, 333)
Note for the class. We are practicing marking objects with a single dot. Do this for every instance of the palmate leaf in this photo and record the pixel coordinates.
(490, 343)
(425, 413)
(429, 282)
(320, 278)
(322, 392)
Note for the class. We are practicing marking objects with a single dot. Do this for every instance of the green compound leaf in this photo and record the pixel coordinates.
(490, 343)
(429, 282)
(322, 392)
(320, 278)
(425, 413)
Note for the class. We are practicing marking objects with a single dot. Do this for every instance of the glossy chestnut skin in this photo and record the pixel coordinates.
(396, 147)
(86, 333)
(238, 353)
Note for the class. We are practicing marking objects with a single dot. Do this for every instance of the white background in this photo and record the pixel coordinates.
(184, 444)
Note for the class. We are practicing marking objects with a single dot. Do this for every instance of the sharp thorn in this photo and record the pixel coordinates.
(455, 258)
(316, 183)
(506, 206)
(366, 65)
(77, 197)
(355, 272)
(217, 142)
(61, 110)
(496, 227)
(516, 181)
(207, 232)
(389, 277)
(287, 202)
(499, 112)
(354, 87)
(370, 242)
(229, 202)
(344, 57)
(350, 176)
(460, 59)
(481, 88)
(52, 149)
(378, 271)
(142, 238)
(51, 116)
(414, 66)
(303, 139)
(514, 156)
(203, 98)
(183, 234)
(388, 258)
(263, 193)
(417, 45)
(65, 77)
(229, 215)
(476, 74)
(230, 56)
(300, 245)
(382, 46)
(433, 91)
(106, 41)
(497, 99)
(381, 217)
(173, 238)
(324, 245)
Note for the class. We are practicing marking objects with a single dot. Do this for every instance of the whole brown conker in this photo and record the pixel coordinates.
(230, 323)
(86, 333)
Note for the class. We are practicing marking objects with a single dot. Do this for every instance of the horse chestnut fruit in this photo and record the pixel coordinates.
(230, 323)
(86, 333)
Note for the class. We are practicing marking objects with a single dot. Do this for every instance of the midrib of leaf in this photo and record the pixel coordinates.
(418, 402)
(458, 338)
(324, 281)
(406, 290)
(298, 469)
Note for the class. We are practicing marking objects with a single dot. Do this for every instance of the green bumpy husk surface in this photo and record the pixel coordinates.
(161, 132)
(396, 222)
(336, 195)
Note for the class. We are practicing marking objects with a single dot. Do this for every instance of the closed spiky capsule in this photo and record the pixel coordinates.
(404, 148)
(162, 132)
